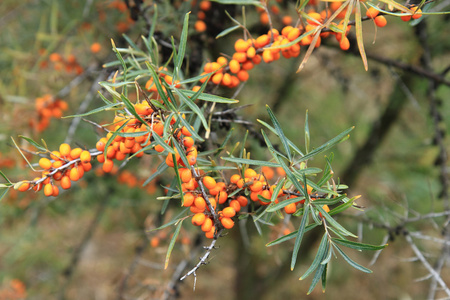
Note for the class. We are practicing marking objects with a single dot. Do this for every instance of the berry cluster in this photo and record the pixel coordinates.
(47, 107)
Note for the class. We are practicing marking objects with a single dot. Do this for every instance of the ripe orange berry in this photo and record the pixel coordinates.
(185, 175)
(107, 165)
(73, 174)
(64, 150)
(228, 212)
(405, 18)
(55, 155)
(75, 153)
(188, 142)
(209, 182)
(24, 186)
(200, 26)
(235, 205)
(200, 203)
(154, 242)
(66, 182)
(344, 43)
(207, 225)
(227, 223)
(85, 157)
(235, 178)
(192, 159)
(45, 163)
(198, 219)
(380, 21)
(241, 46)
(48, 190)
(417, 13)
(210, 234)
(250, 173)
(234, 66)
(256, 187)
(326, 208)
(205, 5)
(242, 75)
(222, 197)
(188, 199)
(55, 191)
(372, 13)
(290, 208)
(96, 47)
(243, 201)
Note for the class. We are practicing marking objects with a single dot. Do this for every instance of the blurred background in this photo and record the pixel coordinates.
(90, 242)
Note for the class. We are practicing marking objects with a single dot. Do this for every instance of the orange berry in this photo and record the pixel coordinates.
(200, 26)
(267, 172)
(290, 208)
(262, 40)
(405, 18)
(154, 242)
(74, 174)
(96, 47)
(66, 182)
(222, 197)
(48, 190)
(100, 146)
(85, 157)
(286, 20)
(185, 131)
(24, 186)
(243, 201)
(235, 178)
(210, 234)
(200, 203)
(205, 5)
(185, 175)
(55, 191)
(227, 223)
(75, 153)
(241, 46)
(264, 18)
(107, 165)
(250, 173)
(380, 21)
(234, 66)
(192, 159)
(372, 12)
(326, 208)
(45, 163)
(64, 150)
(228, 212)
(207, 225)
(344, 43)
(198, 219)
(37, 187)
(267, 56)
(235, 205)
(188, 199)
(417, 13)
(242, 75)
(209, 182)
(256, 187)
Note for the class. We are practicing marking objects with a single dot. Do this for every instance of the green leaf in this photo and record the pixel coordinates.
(321, 254)
(172, 243)
(2, 194)
(182, 47)
(291, 144)
(240, 2)
(324, 277)
(159, 170)
(94, 111)
(290, 235)
(32, 142)
(317, 277)
(227, 31)
(4, 176)
(209, 97)
(280, 132)
(182, 154)
(300, 233)
(246, 161)
(359, 34)
(113, 92)
(284, 203)
(357, 246)
(131, 109)
(328, 145)
(341, 208)
(193, 107)
(333, 222)
(351, 262)
(307, 136)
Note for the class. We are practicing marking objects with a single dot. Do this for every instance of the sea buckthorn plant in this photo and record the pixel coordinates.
(162, 103)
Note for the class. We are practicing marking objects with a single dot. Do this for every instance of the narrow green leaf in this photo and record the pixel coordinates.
(210, 97)
(333, 222)
(110, 90)
(4, 176)
(172, 243)
(240, 2)
(307, 136)
(181, 153)
(357, 246)
(32, 142)
(253, 162)
(280, 132)
(284, 203)
(316, 278)
(290, 235)
(129, 41)
(351, 262)
(300, 233)
(324, 277)
(359, 34)
(182, 46)
(94, 111)
(159, 170)
(328, 145)
(321, 254)
(291, 144)
(227, 31)
(341, 208)
(2, 194)
(193, 107)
